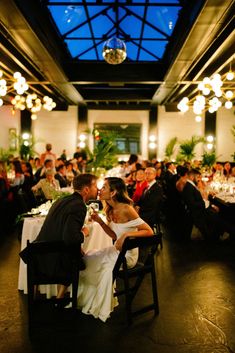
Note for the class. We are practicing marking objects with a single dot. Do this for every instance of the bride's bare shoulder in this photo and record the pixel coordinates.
(129, 210)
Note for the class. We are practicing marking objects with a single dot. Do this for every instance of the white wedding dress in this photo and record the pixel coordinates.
(95, 290)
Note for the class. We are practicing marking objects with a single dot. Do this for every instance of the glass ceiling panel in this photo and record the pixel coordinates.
(146, 26)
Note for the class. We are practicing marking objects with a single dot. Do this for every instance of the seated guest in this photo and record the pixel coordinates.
(206, 219)
(19, 175)
(177, 219)
(48, 185)
(27, 185)
(141, 185)
(60, 175)
(70, 173)
(40, 172)
(150, 203)
(64, 222)
(227, 170)
(6, 198)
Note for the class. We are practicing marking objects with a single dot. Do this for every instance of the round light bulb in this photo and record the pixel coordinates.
(82, 144)
(33, 116)
(25, 136)
(210, 138)
(82, 137)
(228, 105)
(198, 118)
(152, 145)
(229, 94)
(230, 76)
(210, 146)
(152, 138)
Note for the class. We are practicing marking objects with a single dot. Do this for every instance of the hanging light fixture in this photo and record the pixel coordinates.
(213, 93)
(114, 51)
(18, 86)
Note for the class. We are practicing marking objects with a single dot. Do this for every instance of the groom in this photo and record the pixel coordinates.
(64, 222)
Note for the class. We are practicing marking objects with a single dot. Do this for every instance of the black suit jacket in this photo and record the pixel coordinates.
(195, 203)
(62, 180)
(150, 204)
(203, 218)
(63, 223)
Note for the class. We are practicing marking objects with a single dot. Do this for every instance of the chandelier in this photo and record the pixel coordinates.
(212, 94)
(21, 99)
(114, 51)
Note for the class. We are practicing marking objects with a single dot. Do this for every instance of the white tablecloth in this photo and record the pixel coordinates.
(97, 239)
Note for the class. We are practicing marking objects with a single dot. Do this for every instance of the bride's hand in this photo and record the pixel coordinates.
(85, 231)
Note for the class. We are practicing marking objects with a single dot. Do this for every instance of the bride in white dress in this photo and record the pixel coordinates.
(95, 290)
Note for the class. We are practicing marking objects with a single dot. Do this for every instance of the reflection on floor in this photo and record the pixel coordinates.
(196, 283)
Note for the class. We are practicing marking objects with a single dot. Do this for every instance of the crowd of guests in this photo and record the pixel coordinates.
(158, 189)
(176, 192)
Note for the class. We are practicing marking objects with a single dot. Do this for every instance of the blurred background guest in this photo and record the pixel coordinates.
(48, 185)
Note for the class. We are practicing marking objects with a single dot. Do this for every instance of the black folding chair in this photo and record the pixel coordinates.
(133, 277)
(33, 255)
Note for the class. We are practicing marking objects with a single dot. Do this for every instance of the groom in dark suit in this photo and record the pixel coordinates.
(64, 222)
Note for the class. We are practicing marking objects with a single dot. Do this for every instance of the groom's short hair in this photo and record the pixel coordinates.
(82, 180)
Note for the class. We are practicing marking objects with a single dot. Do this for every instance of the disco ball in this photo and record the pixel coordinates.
(114, 51)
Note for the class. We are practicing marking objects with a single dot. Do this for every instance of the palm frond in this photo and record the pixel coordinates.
(187, 147)
(170, 147)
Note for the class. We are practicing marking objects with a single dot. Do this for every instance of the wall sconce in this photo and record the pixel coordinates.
(210, 144)
(82, 139)
(152, 142)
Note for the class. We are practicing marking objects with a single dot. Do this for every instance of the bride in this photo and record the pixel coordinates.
(95, 291)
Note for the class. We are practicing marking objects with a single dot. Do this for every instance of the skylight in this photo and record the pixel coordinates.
(145, 26)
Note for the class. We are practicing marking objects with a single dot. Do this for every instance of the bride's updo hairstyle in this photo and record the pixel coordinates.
(118, 185)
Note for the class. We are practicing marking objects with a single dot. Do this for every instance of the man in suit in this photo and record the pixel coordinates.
(206, 219)
(61, 176)
(64, 222)
(149, 204)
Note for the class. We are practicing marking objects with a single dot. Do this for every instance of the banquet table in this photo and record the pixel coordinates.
(226, 203)
(96, 240)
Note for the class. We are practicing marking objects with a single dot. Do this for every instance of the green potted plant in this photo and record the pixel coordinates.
(208, 159)
(170, 148)
(187, 147)
(104, 155)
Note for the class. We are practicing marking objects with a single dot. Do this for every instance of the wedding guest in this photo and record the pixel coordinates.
(63, 155)
(64, 222)
(227, 170)
(141, 185)
(19, 175)
(48, 155)
(41, 171)
(60, 175)
(205, 217)
(6, 197)
(131, 163)
(95, 291)
(150, 203)
(70, 172)
(48, 185)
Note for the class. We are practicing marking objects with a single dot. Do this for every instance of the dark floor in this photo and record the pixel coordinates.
(196, 283)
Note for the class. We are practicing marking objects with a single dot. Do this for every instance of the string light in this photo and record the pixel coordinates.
(31, 101)
(213, 93)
